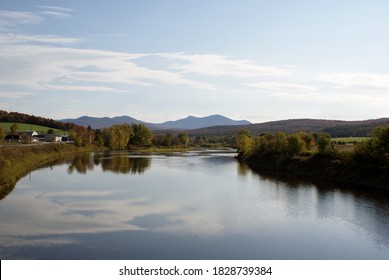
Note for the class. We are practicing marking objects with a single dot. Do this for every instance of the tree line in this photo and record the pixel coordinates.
(372, 153)
(125, 136)
(118, 137)
(15, 117)
(282, 144)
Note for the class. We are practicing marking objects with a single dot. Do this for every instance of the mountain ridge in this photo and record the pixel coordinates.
(336, 128)
(190, 122)
(218, 125)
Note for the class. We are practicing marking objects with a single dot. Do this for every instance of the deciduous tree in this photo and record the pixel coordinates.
(142, 136)
(244, 142)
(14, 128)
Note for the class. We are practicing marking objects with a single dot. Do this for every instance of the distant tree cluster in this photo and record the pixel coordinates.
(184, 140)
(281, 144)
(348, 131)
(169, 140)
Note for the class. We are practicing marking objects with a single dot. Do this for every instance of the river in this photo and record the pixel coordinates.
(191, 205)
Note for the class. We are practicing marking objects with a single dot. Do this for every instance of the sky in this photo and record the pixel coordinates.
(259, 60)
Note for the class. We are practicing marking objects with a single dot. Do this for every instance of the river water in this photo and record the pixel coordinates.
(194, 205)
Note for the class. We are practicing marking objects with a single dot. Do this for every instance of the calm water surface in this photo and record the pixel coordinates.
(193, 205)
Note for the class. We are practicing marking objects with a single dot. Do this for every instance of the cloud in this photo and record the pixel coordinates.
(29, 62)
(289, 90)
(54, 8)
(357, 81)
(33, 66)
(14, 19)
(42, 63)
(55, 12)
(280, 86)
(65, 87)
(11, 38)
(14, 94)
(219, 65)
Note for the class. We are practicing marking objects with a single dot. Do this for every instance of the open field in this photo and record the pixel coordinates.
(25, 126)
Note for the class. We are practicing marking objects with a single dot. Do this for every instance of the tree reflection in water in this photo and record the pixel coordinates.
(112, 162)
(81, 163)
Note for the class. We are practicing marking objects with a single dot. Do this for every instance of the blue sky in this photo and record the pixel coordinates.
(163, 60)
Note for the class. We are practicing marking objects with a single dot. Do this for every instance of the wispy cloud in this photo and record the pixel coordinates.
(288, 90)
(12, 38)
(34, 66)
(14, 94)
(13, 19)
(88, 88)
(55, 8)
(219, 65)
(357, 81)
(281, 86)
(55, 12)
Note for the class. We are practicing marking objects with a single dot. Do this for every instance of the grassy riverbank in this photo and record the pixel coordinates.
(17, 161)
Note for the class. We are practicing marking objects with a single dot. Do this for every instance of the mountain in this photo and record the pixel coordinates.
(217, 125)
(97, 123)
(190, 122)
(337, 128)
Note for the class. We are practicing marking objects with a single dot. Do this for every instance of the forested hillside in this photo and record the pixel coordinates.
(335, 128)
(15, 117)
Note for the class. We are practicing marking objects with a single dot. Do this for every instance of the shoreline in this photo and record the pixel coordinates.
(17, 161)
(321, 168)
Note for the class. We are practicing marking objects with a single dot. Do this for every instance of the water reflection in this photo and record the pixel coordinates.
(189, 205)
(81, 163)
(126, 165)
(364, 210)
(121, 163)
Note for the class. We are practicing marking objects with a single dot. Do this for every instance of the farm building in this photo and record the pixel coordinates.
(12, 138)
(22, 136)
(52, 138)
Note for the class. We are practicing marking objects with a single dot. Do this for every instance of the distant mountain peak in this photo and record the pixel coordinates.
(190, 122)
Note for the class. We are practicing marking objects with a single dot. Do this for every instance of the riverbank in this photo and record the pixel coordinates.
(323, 166)
(17, 161)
